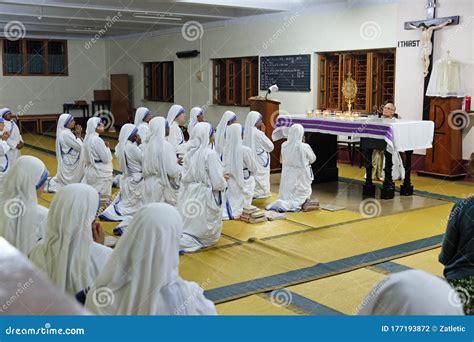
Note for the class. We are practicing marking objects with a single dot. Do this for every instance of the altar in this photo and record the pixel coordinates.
(391, 135)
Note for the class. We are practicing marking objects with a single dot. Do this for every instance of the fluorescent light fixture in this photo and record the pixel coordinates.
(82, 29)
(155, 15)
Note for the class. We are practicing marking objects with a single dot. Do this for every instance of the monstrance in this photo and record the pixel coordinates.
(349, 91)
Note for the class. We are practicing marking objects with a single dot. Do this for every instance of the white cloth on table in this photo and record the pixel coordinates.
(98, 160)
(261, 147)
(142, 273)
(69, 156)
(68, 253)
(161, 171)
(409, 293)
(176, 136)
(227, 118)
(22, 222)
(199, 199)
(296, 176)
(130, 159)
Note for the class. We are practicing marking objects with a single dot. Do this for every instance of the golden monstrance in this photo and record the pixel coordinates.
(349, 91)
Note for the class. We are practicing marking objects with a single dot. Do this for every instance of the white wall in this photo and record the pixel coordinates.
(46, 94)
(328, 28)
(458, 39)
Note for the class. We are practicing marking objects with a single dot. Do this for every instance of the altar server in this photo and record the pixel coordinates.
(240, 165)
(141, 121)
(457, 253)
(195, 115)
(161, 170)
(68, 154)
(200, 200)
(296, 176)
(228, 118)
(23, 220)
(411, 293)
(261, 146)
(176, 117)
(98, 160)
(15, 141)
(142, 274)
(378, 157)
(130, 159)
(68, 253)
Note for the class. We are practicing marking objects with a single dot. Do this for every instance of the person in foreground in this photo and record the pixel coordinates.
(72, 252)
(457, 252)
(24, 221)
(296, 176)
(411, 293)
(200, 194)
(143, 276)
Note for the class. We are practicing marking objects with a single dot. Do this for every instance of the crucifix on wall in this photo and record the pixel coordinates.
(430, 23)
(427, 28)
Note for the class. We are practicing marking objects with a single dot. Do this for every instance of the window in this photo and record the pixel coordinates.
(373, 72)
(158, 81)
(35, 57)
(234, 80)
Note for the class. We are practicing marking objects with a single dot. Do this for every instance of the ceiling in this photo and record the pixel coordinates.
(115, 18)
(75, 18)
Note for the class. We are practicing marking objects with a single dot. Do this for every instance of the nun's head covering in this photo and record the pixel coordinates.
(126, 132)
(142, 272)
(252, 119)
(19, 202)
(4, 111)
(64, 253)
(233, 157)
(63, 121)
(153, 154)
(293, 147)
(193, 118)
(92, 125)
(411, 293)
(140, 115)
(173, 113)
(227, 118)
(195, 159)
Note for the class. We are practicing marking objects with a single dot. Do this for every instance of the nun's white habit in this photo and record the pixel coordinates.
(261, 147)
(239, 164)
(25, 221)
(130, 159)
(98, 161)
(411, 293)
(194, 115)
(227, 119)
(161, 170)
(200, 200)
(68, 154)
(68, 253)
(176, 136)
(143, 128)
(15, 137)
(142, 274)
(296, 176)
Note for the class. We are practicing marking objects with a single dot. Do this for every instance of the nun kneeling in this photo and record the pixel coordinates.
(200, 195)
(296, 175)
(142, 276)
(68, 253)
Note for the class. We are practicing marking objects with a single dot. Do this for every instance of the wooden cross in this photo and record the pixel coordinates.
(430, 22)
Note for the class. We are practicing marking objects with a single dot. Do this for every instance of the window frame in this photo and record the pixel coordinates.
(159, 87)
(45, 57)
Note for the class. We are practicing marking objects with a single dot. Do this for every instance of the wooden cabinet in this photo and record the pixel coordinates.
(119, 97)
(373, 72)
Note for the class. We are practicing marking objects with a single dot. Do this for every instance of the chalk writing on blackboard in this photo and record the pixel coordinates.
(290, 73)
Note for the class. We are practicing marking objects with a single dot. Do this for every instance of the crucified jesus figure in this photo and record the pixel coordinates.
(426, 34)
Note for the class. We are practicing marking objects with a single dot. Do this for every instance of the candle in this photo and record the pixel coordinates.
(467, 104)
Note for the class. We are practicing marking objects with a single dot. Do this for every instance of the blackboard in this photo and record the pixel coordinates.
(290, 73)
